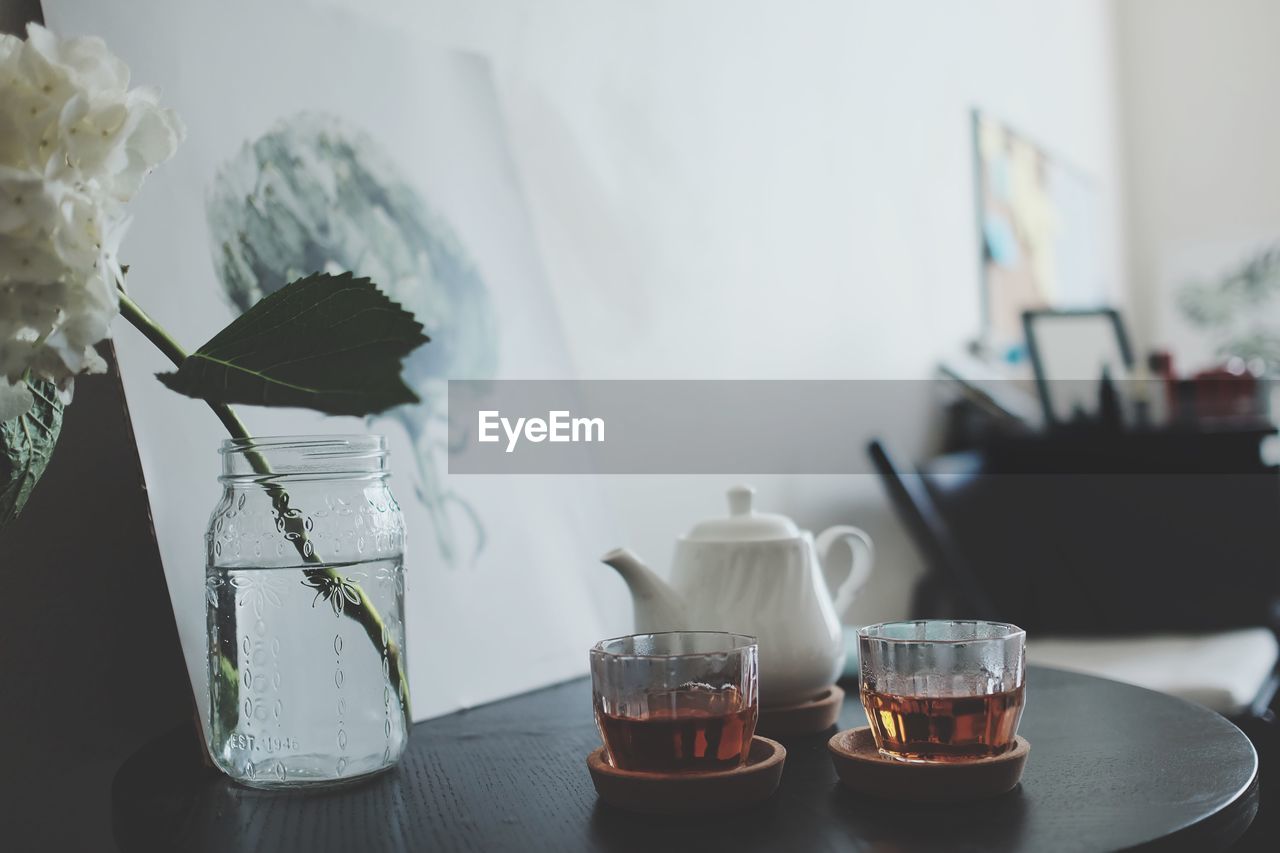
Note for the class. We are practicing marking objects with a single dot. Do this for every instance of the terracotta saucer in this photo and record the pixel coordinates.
(803, 718)
(863, 769)
(684, 793)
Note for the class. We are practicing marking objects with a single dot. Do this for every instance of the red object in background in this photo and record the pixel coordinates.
(1160, 362)
(1230, 390)
(1227, 391)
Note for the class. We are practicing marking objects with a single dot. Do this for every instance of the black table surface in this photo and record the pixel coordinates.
(1112, 767)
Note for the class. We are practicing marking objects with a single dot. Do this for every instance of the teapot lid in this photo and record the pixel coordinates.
(744, 524)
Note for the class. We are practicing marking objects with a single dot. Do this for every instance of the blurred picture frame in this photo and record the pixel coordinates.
(1070, 349)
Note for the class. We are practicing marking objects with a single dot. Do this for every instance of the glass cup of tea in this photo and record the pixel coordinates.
(941, 689)
(677, 702)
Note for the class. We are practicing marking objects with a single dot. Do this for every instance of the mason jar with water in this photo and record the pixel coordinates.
(305, 600)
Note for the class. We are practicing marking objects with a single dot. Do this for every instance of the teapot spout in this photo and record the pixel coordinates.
(657, 606)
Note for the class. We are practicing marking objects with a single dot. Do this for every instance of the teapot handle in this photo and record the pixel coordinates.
(864, 556)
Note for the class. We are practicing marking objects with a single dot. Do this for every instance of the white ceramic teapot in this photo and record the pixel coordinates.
(755, 573)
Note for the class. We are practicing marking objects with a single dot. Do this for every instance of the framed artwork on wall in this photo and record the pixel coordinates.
(1037, 232)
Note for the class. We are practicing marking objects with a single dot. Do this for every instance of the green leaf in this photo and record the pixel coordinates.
(26, 446)
(329, 343)
(226, 694)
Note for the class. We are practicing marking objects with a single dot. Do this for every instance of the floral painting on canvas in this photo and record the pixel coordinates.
(393, 162)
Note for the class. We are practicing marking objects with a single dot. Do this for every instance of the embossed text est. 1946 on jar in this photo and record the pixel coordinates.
(305, 602)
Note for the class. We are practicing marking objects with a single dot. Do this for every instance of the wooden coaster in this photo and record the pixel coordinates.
(863, 769)
(804, 718)
(685, 793)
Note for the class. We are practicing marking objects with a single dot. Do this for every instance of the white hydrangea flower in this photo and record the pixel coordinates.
(75, 144)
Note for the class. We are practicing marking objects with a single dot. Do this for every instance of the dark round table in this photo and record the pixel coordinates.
(1111, 767)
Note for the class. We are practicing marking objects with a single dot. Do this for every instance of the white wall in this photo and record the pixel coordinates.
(777, 190)
(1199, 81)
(783, 189)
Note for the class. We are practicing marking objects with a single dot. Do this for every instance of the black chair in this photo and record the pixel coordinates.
(1232, 671)
(950, 588)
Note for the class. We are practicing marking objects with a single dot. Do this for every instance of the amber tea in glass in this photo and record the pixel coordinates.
(676, 702)
(943, 690)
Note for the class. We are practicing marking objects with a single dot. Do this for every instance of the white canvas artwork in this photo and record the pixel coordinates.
(318, 140)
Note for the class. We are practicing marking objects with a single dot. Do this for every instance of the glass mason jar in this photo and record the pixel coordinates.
(304, 589)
